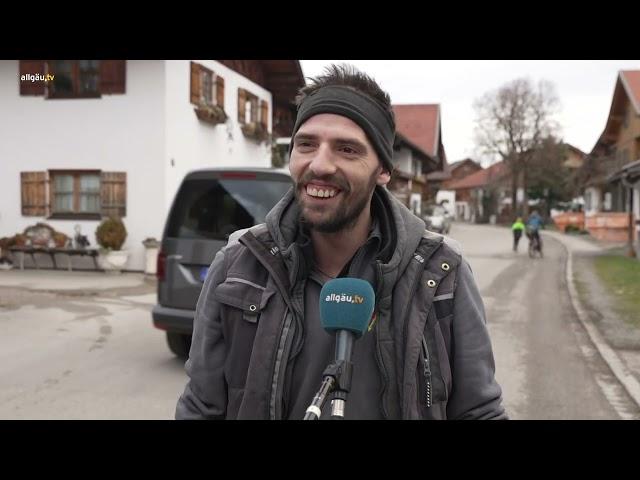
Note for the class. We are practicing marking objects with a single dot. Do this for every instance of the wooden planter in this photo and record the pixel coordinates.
(212, 115)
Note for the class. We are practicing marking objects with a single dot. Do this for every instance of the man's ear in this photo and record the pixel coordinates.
(384, 177)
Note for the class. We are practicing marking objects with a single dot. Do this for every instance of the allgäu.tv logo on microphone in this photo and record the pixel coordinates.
(344, 298)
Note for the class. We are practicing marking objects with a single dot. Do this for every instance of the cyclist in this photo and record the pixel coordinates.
(534, 224)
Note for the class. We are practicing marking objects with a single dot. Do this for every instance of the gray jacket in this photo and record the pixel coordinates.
(433, 348)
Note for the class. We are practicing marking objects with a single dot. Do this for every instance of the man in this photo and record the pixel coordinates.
(258, 349)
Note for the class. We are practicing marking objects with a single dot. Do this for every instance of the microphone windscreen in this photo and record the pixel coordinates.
(346, 304)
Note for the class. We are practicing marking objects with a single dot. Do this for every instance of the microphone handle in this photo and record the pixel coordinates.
(315, 409)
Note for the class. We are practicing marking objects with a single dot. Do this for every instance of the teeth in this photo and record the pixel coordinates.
(320, 193)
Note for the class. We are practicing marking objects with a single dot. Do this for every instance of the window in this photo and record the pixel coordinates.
(253, 115)
(88, 194)
(207, 94)
(75, 192)
(215, 208)
(207, 88)
(417, 170)
(247, 107)
(74, 78)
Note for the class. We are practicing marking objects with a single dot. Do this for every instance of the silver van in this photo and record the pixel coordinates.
(209, 205)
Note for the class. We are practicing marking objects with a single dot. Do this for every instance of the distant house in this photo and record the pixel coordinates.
(609, 199)
(455, 171)
(463, 168)
(574, 157)
(482, 194)
(408, 182)
(421, 125)
(116, 137)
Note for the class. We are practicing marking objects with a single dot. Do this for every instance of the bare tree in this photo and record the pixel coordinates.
(511, 123)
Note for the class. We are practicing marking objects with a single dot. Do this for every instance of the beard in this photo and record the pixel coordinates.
(345, 214)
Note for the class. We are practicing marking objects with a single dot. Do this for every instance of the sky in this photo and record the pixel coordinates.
(584, 88)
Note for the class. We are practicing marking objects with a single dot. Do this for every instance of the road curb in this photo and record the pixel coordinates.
(608, 354)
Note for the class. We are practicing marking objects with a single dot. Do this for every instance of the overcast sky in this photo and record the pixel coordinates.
(584, 87)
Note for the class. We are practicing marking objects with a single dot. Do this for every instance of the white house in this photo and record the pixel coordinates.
(80, 140)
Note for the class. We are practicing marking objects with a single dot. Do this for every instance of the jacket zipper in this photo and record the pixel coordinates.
(426, 371)
(381, 367)
(425, 351)
(277, 382)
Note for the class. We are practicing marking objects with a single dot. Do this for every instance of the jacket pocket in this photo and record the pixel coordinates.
(242, 303)
(245, 296)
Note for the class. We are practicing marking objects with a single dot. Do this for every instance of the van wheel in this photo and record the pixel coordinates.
(179, 344)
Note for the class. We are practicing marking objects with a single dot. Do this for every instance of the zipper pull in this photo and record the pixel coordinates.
(427, 371)
(427, 377)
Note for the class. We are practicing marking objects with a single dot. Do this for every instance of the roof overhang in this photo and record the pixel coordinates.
(629, 173)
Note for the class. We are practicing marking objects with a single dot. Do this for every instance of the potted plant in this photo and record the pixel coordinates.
(210, 113)
(110, 235)
(256, 131)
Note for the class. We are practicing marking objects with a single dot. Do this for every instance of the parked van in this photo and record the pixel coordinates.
(209, 205)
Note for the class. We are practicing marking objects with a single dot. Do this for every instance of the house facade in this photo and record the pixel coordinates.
(483, 195)
(458, 207)
(408, 182)
(420, 126)
(115, 137)
(611, 203)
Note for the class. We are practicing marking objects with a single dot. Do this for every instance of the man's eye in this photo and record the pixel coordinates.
(349, 150)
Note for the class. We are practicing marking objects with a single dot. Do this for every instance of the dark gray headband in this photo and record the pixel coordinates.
(376, 122)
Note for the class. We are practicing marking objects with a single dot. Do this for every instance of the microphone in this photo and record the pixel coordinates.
(346, 306)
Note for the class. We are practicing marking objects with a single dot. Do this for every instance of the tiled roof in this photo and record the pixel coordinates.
(420, 124)
(631, 81)
(479, 178)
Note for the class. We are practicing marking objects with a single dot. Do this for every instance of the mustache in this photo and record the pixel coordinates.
(332, 180)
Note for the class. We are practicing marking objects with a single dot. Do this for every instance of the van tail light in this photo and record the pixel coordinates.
(161, 266)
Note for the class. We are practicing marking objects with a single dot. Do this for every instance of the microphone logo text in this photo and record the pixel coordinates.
(335, 297)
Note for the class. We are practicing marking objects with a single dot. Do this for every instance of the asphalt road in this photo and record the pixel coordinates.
(72, 357)
(545, 363)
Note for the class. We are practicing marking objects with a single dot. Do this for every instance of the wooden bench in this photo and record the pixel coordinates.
(90, 252)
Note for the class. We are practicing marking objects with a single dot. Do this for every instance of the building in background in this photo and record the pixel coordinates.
(610, 203)
(87, 139)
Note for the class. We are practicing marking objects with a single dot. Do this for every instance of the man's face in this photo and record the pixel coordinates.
(335, 170)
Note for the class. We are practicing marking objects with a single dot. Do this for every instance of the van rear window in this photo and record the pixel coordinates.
(215, 208)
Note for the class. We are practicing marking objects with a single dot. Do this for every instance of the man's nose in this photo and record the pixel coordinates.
(323, 163)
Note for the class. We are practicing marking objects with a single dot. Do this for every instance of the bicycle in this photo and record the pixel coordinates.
(535, 245)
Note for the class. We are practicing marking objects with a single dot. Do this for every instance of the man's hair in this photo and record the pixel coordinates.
(347, 76)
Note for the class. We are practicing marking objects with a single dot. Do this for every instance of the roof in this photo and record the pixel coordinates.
(403, 140)
(631, 172)
(627, 87)
(420, 124)
(449, 169)
(479, 178)
(631, 81)
(575, 150)
(283, 78)
(439, 175)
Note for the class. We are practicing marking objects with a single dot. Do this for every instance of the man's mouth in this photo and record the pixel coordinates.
(321, 191)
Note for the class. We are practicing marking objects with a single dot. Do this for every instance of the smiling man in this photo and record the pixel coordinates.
(258, 348)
